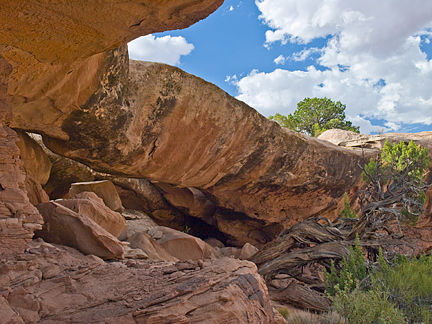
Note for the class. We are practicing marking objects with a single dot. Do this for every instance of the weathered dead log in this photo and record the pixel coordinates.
(300, 254)
(302, 296)
(306, 233)
(290, 263)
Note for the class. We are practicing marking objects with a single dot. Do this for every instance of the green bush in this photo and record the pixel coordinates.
(365, 307)
(398, 176)
(396, 293)
(409, 286)
(347, 212)
(352, 272)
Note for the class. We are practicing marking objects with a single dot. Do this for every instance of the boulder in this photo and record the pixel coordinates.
(141, 223)
(214, 242)
(104, 189)
(373, 144)
(230, 251)
(88, 290)
(37, 166)
(247, 251)
(181, 245)
(134, 253)
(8, 314)
(90, 205)
(153, 249)
(35, 192)
(189, 199)
(64, 226)
(143, 195)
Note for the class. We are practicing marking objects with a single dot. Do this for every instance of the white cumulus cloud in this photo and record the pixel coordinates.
(304, 54)
(280, 60)
(166, 49)
(372, 61)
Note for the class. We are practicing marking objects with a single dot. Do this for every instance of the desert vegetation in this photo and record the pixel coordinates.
(370, 276)
(314, 116)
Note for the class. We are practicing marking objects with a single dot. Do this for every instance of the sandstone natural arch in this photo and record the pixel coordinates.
(65, 74)
(68, 77)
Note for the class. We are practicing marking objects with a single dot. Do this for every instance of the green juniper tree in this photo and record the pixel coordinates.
(395, 190)
(316, 115)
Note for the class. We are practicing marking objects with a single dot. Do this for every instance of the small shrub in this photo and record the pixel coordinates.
(347, 212)
(303, 317)
(409, 284)
(351, 273)
(283, 311)
(365, 307)
(398, 176)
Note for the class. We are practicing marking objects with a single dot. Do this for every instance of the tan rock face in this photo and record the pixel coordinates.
(36, 163)
(18, 218)
(140, 223)
(55, 49)
(64, 226)
(67, 31)
(84, 289)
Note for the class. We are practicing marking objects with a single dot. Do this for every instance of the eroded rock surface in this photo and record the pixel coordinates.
(84, 289)
(182, 245)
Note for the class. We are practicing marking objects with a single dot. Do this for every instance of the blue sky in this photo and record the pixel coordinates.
(374, 56)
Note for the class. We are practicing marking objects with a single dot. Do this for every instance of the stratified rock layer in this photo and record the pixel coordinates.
(18, 217)
(63, 286)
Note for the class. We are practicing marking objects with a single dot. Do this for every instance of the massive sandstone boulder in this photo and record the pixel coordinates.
(93, 207)
(64, 226)
(170, 127)
(182, 245)
(103, 189)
